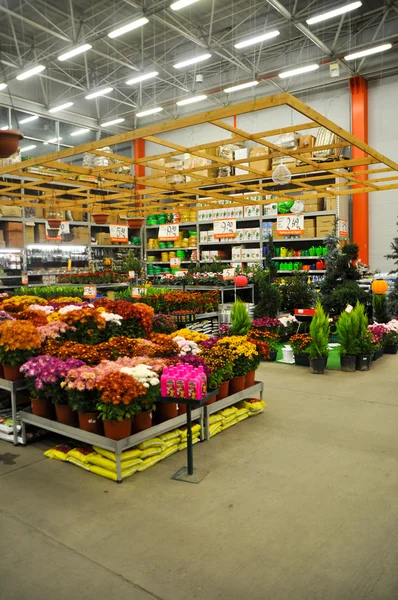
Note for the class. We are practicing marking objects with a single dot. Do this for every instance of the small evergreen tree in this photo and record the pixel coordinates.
(393, 295)
(380, 308)
(241, 322)
(319, 332)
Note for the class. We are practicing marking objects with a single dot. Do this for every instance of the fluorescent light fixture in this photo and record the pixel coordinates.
(31, 72)
(114, 122)
(60, 107)
(192, 61)
(75, 52)
(181, 4)
(53, 140)
(10, 250)
(257, 39)
(29, 119)
(142, 78)
(3, 86)
(298, 71)
(28, 148)
(241, 86)
(57, 246)
(368, 52)
(191, 100)
(99, 93)
(150, 111)
(129, 27)
(4, 128)
(334, 13)
(80, 131)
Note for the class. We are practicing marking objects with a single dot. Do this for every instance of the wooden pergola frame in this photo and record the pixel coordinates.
(151, 194)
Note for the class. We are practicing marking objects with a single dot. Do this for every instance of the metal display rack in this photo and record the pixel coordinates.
(12, 387)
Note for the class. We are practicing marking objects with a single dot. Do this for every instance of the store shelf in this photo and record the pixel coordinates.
(298, 239)
(114, 246)
(299, 257)
(305, 272)
(225, 243)
(167, 262)
(319, 213)
(241, 220)
(169, 249)
(193, 224)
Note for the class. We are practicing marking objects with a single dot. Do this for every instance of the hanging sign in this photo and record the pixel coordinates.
(290, 224)
(131, 274)
(175, 262)
(24, 279)
(137, 292)
(119, 233)
(90, 291)
(343, 228)
(169, 233)
(64, 228)
(228, 274)
(224, 228)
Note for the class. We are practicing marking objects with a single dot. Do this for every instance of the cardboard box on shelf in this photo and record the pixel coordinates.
(314, 205)
(78, 215)
(211, 154)
(325, 221)
(14, 239)
(30, 234)
(309, 222)
(239, 212)
(240, 235)
(81, 235)
(104, 239)
(40, 233)
(331, 203)
(324, 230)
(10, 211)
(306, 141)
(262, 165)
(270, 210)
(203, 237)
(236, 253)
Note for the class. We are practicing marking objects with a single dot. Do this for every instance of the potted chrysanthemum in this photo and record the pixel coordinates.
(145, 403)
(19, 340)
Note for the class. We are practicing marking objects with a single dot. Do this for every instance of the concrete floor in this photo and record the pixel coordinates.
(301, 503)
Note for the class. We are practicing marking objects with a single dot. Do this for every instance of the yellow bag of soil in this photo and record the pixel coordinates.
(217, 418)
(254, 406)
(80, 454)
(184, 445)
(151, 443)
(171, 443)
(110, 465)
(215, 428)
(59, 452)
(168, 452)
(78, 463)
(149, 462)
(241, 412)
(151, 452)
(229, 419)
(230, 424)
(195, 430)
(243, 417)
(170, 435)
(111, 474)
(128, 454)
(227, 412)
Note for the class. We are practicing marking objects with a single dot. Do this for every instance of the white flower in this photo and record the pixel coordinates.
(69, 308)
(112, 318)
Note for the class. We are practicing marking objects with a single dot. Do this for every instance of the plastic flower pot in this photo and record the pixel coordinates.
(142, 421)
(318, 365)
(66, 415)
(302, 360)
(250, 379)
(223, 390)
(166, 411)
(135, 222)
(117, 430)
(91, 422)
(100, 218)
(364, 362)
(391, 349)
(9, 141)
(237, 384)
(348, 363)
(54, 223)
(42, 408)
(378, 353)
(272, 355)
(12, 373)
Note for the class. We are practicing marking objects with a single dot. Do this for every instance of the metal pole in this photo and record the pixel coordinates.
(14, 415)
(189, 440)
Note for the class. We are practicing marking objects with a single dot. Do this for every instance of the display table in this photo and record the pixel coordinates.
(12, 387)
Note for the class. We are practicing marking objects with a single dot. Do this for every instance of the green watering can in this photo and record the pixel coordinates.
(319, 250)
(312, 251)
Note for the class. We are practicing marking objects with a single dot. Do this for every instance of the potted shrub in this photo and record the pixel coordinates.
(318, 348)
(19, 340)
(244, 358)
(273, 341)
(391, 340)
(44, 375)
(379, 335)
(300, 343)
(364, 338)
(145, 403)
(220, 379)
(347, 331)
(83, 396)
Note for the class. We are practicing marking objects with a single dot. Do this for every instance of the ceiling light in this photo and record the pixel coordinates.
(257, 39)
(241, 86)
(334, 13)
(80, 131)
(5, 128)
(99, 93)
(129, 27)
(60, 107)
(191, 100)
(150, 111)
(114, 122)
(53, 140)
(27, 148)
(298, 71)
(75, 52)
(142, 77)
(367, 52)
(28, 119)
(31, 72)
(181, 4)
(3, 86)
(192, 61)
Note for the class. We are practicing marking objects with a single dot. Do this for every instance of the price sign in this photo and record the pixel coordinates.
(175, 262)
(24, 279)
(224, 228)
(137, 292)
(119, 233)
(131, 274)
(228, 274)
(343, 226)
(290, 224)
(90, 291)
(64, 228)
(169, 233)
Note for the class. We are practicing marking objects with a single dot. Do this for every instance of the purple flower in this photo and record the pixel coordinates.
(210, 342)
(195, 361)
(267, 322)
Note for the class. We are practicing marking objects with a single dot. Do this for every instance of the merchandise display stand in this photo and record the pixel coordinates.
(12, 387)
(189, 474)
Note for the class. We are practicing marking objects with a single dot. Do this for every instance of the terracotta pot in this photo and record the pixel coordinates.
(66, 415)
(223, 390)
(211, 400)
(237, 384)
(250, 378)
(100, 219)
(9, 142)
(2, 372)
(166, 411)
(91, 422)
(12, 373)
(135, 222)
(117, 430)
(182, 409)
(54, 223)
(142, 421)
(42, 408)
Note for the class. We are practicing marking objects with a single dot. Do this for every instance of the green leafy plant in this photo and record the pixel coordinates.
(319, 331)
(115, 412)
(393, 295)
(133, 263)
(364, 336)
(51, 291)
(241, 322)
(347, 328)
(380, 308)
(297, 293)
(269, 302)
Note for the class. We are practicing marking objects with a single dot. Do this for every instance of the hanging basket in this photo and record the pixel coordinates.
(54, 223)
(135, 222)
(9, 142)
(100, 218)
(53, 234)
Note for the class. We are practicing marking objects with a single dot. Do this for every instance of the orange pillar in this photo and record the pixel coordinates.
(139, 170)
(360, 202)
